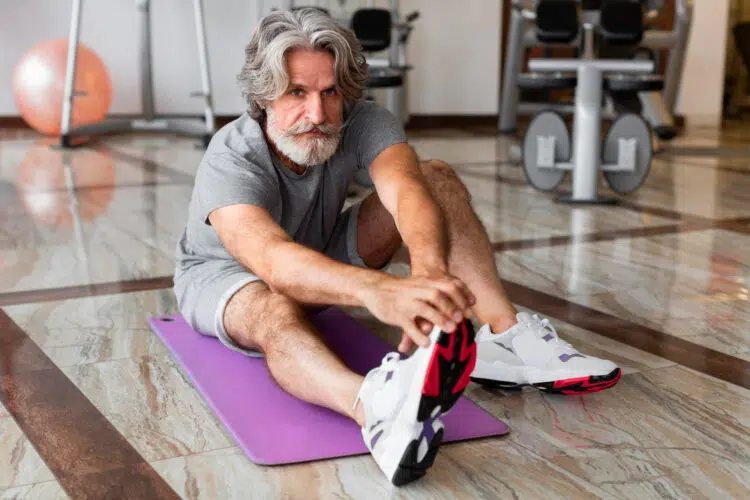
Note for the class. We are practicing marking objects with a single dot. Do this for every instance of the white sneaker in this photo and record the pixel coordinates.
(403, 400)
(531, 353)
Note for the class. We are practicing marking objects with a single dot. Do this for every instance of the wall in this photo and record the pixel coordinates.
(455, 56)
(703, 75)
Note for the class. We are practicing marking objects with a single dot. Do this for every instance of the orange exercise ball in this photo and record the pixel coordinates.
(39, 87)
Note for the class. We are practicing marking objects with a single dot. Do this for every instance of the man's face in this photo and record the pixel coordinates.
(305, 122)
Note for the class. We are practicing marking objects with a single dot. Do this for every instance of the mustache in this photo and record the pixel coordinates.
(304, 127)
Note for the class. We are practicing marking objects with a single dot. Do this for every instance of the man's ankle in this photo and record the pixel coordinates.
(358, 415)
(502, 324)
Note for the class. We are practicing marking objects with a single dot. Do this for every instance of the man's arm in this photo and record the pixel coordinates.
(403, 191)
(252, 237)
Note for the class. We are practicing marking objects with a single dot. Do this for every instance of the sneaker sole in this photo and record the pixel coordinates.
(419, 443)
(449, 370)
(411, 468)
(578, 385)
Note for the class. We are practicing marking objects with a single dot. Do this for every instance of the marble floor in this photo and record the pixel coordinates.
(94, 406)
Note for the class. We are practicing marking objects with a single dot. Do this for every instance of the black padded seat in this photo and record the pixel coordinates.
(372, 28)
(384, 79)
(621, 22)
(633, 83)
(557, 21)
(547, 81)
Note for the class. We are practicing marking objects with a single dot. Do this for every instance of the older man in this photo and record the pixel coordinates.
(266, 240)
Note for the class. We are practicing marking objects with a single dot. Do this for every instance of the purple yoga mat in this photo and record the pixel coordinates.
(273, 427)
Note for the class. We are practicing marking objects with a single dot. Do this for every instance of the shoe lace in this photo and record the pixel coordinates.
(544, 328)
(390, 360)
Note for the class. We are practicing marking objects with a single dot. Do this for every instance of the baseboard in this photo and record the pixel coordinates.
(12, 122)
(429, 122)
(470, 123)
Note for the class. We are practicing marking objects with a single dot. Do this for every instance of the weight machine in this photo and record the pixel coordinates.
(656, 107)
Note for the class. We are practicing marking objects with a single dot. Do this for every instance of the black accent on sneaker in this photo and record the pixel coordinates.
(444, 340)
(594, 383)
(409, 469)
(497, 384)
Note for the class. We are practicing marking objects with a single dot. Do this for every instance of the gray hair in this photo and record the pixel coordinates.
(264, 76)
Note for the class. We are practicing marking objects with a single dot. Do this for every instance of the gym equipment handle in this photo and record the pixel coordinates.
(557, 65)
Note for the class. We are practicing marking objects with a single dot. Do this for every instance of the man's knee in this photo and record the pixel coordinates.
(442, 178)
(258, 318)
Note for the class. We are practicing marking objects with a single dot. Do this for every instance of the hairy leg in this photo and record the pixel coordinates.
(377, 236)
(298, 359)
(470, 257)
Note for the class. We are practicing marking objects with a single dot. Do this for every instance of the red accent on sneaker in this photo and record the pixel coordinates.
(583, 385)
(469, 355)
(432, 377)
(466, 375)
(466, 350)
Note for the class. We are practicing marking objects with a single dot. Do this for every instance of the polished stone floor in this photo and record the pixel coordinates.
(94, 406)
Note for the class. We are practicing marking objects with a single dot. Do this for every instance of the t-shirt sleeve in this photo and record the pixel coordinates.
(228, 179)
(370, 130)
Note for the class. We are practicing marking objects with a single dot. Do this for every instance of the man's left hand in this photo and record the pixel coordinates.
(459, 295)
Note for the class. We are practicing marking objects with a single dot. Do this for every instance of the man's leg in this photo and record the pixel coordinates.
(472, 260)
(298, 359)
(400, 418)
(542, 360)
(470, 256)
(378, 238)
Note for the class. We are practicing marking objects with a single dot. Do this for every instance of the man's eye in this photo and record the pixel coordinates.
(296, 92)
(329, 92)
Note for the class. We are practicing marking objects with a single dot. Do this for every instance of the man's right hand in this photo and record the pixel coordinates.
(444, 301)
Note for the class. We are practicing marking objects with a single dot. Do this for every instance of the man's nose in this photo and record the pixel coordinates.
(315, 112)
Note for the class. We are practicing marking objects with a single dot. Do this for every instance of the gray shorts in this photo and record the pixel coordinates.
(203, 291)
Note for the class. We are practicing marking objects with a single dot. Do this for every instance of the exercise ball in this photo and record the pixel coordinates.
(54, 197)
(39, 87)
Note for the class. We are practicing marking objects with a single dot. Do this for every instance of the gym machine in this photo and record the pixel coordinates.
(657, 107)
(203, 127)
(625, 155)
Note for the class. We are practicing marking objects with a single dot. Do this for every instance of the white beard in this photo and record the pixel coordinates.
(308, 151)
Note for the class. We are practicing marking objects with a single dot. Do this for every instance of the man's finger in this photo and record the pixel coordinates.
(424, 325)
(440, 302)
(427, 311)
(471, 300)
(416, 336)
(406, 343)
(458, 302)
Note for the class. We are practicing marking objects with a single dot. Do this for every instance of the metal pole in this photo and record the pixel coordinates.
(147, 84)
(70, 70)
(509, 93)
(586, 131)
(673, 73)
(200, 29)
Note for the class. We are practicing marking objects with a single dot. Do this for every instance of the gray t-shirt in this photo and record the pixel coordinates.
(240, 168)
